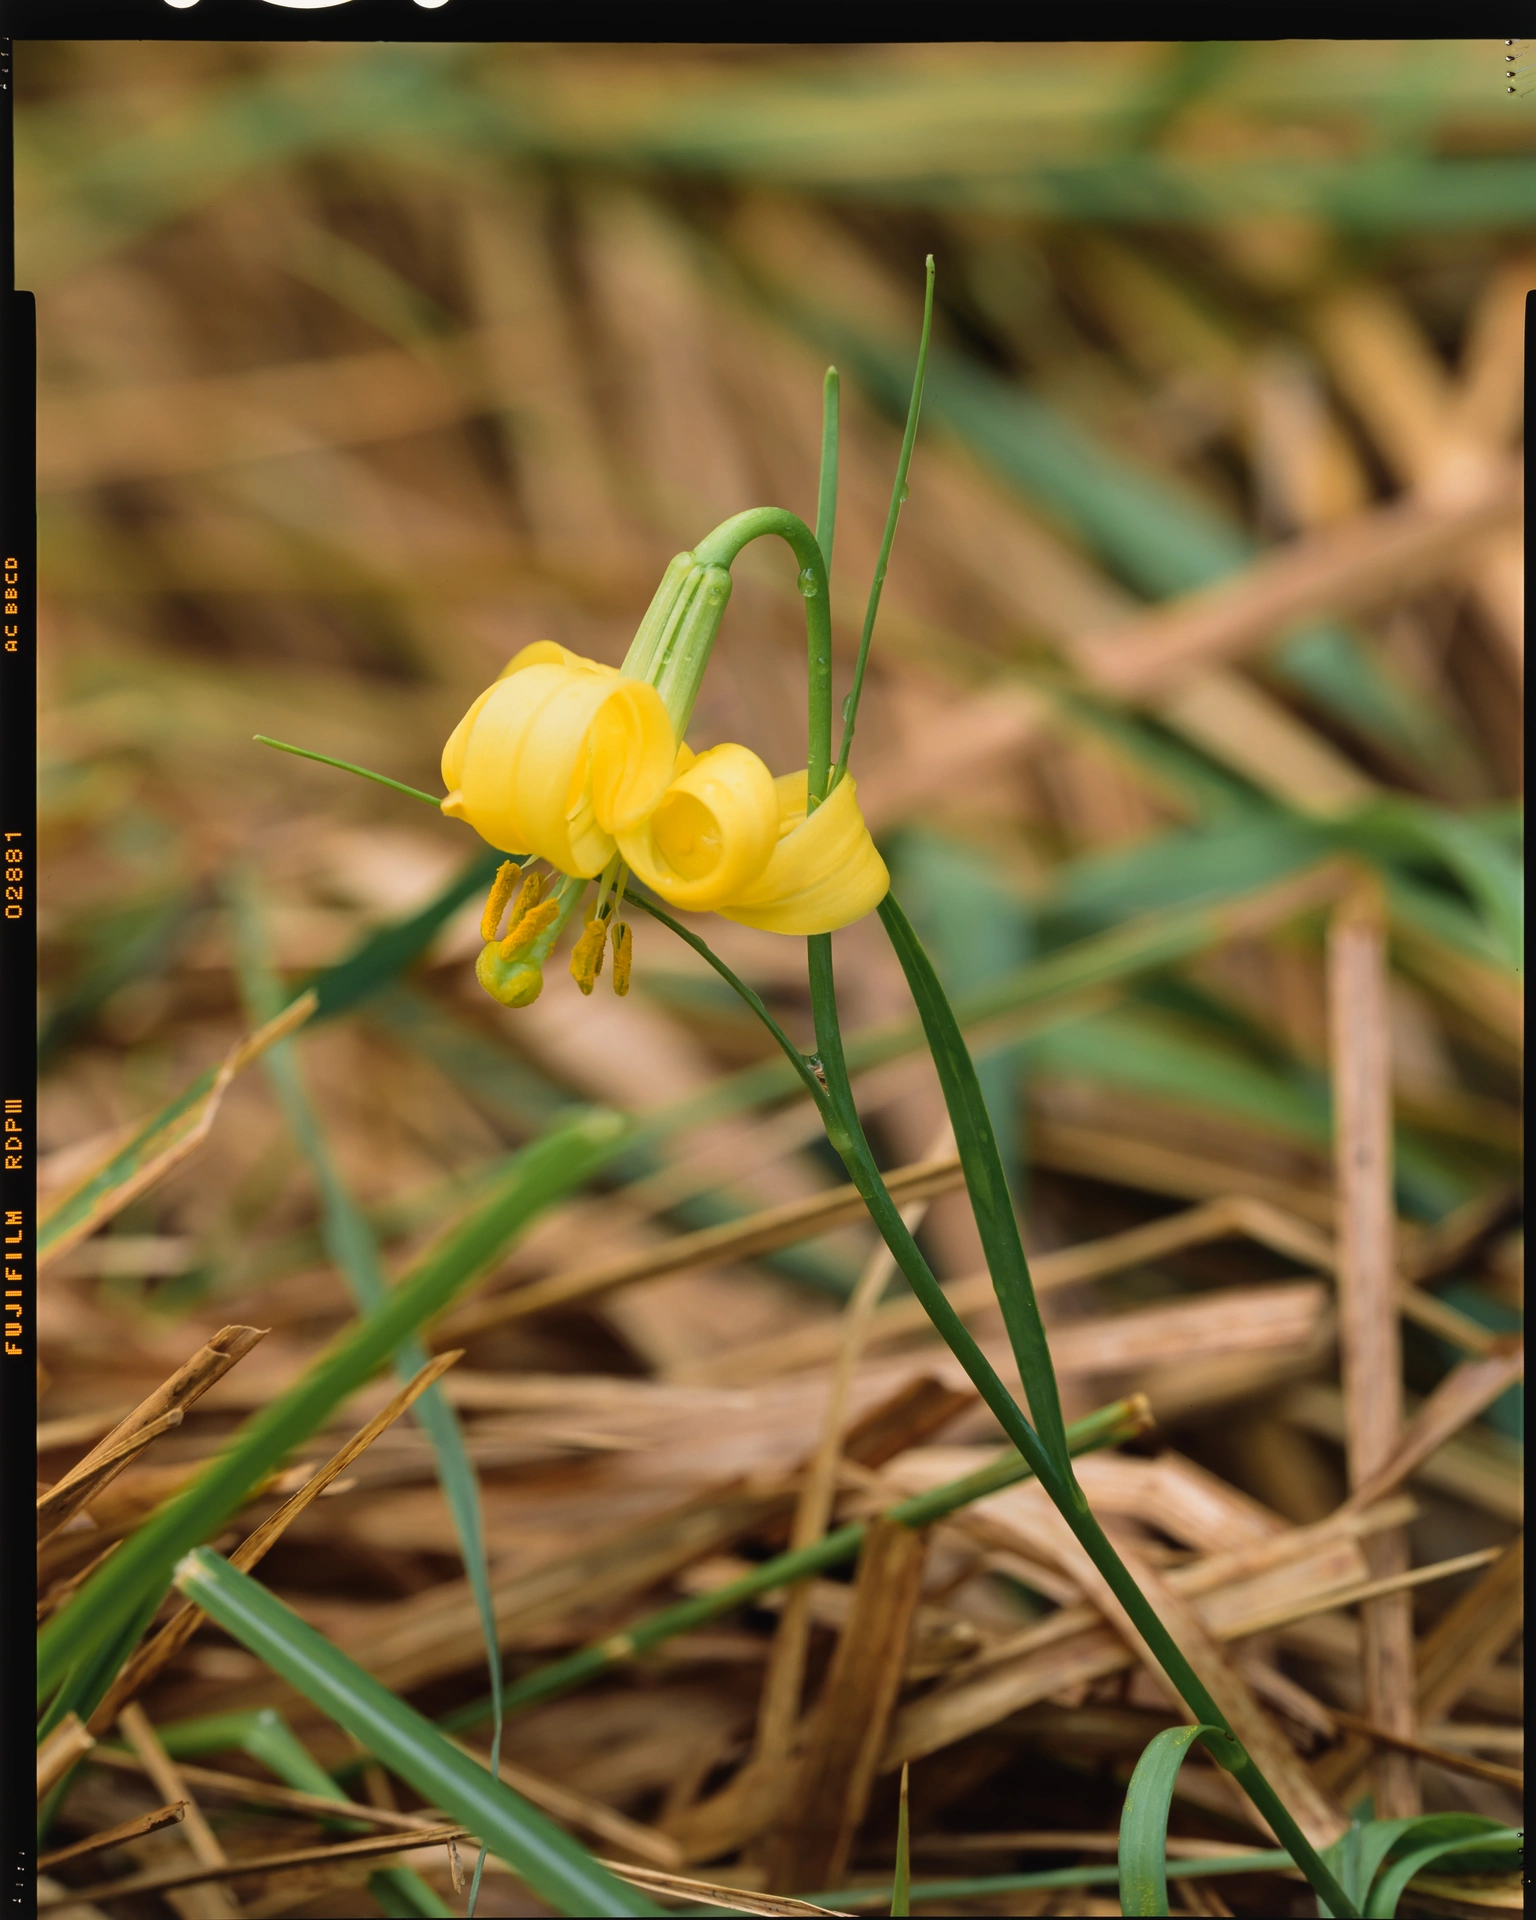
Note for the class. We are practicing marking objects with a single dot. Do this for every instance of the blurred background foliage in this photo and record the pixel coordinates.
(363, 366)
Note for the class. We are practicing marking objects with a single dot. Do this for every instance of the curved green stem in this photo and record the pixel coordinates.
(721, 547)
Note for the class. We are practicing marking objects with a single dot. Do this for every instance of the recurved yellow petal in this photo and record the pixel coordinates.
(558, 757)
(541, 653)
(824, 871)
(713, 833)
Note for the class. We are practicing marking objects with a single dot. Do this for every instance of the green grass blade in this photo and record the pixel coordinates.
(96, 1668)
(1434, 1837)
(265, 1735)
(1185, 868)
(887, 539)
(350, 1243)
(1144, 1820)
(984, 1887)
(846, 1136)
(140, 1569)
(1160, 536)
(901, 1891)
(87, 1205)
(985, 1181)
(1121, 1420)
(548, 1860)
(404, 1895)
(1490, 872)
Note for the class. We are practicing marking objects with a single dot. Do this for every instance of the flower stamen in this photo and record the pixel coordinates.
(501, 892)
(587, 954)
(525, 929)
(623, 947)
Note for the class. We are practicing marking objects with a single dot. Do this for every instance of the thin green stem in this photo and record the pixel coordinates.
(1122, 1420)
(346, 766)
(721, 547)
(826, 487)
(791, 1052)
(898, 498)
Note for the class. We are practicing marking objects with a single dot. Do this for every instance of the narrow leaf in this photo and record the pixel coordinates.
(1436, 1837)
(350, 1243)
(1144, 1820)
(138, 1573)
(898, 500)
(985, 1180)
(346, 766)
(266, 1737)
(549, 1861)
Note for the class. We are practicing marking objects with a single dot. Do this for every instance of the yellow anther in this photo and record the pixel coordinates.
(501, 892)
(587, 955)
(623, 949)
(529, 926)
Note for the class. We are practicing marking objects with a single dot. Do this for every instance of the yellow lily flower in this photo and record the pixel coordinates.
(578, 764)
(558, 757)
(728, 838)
